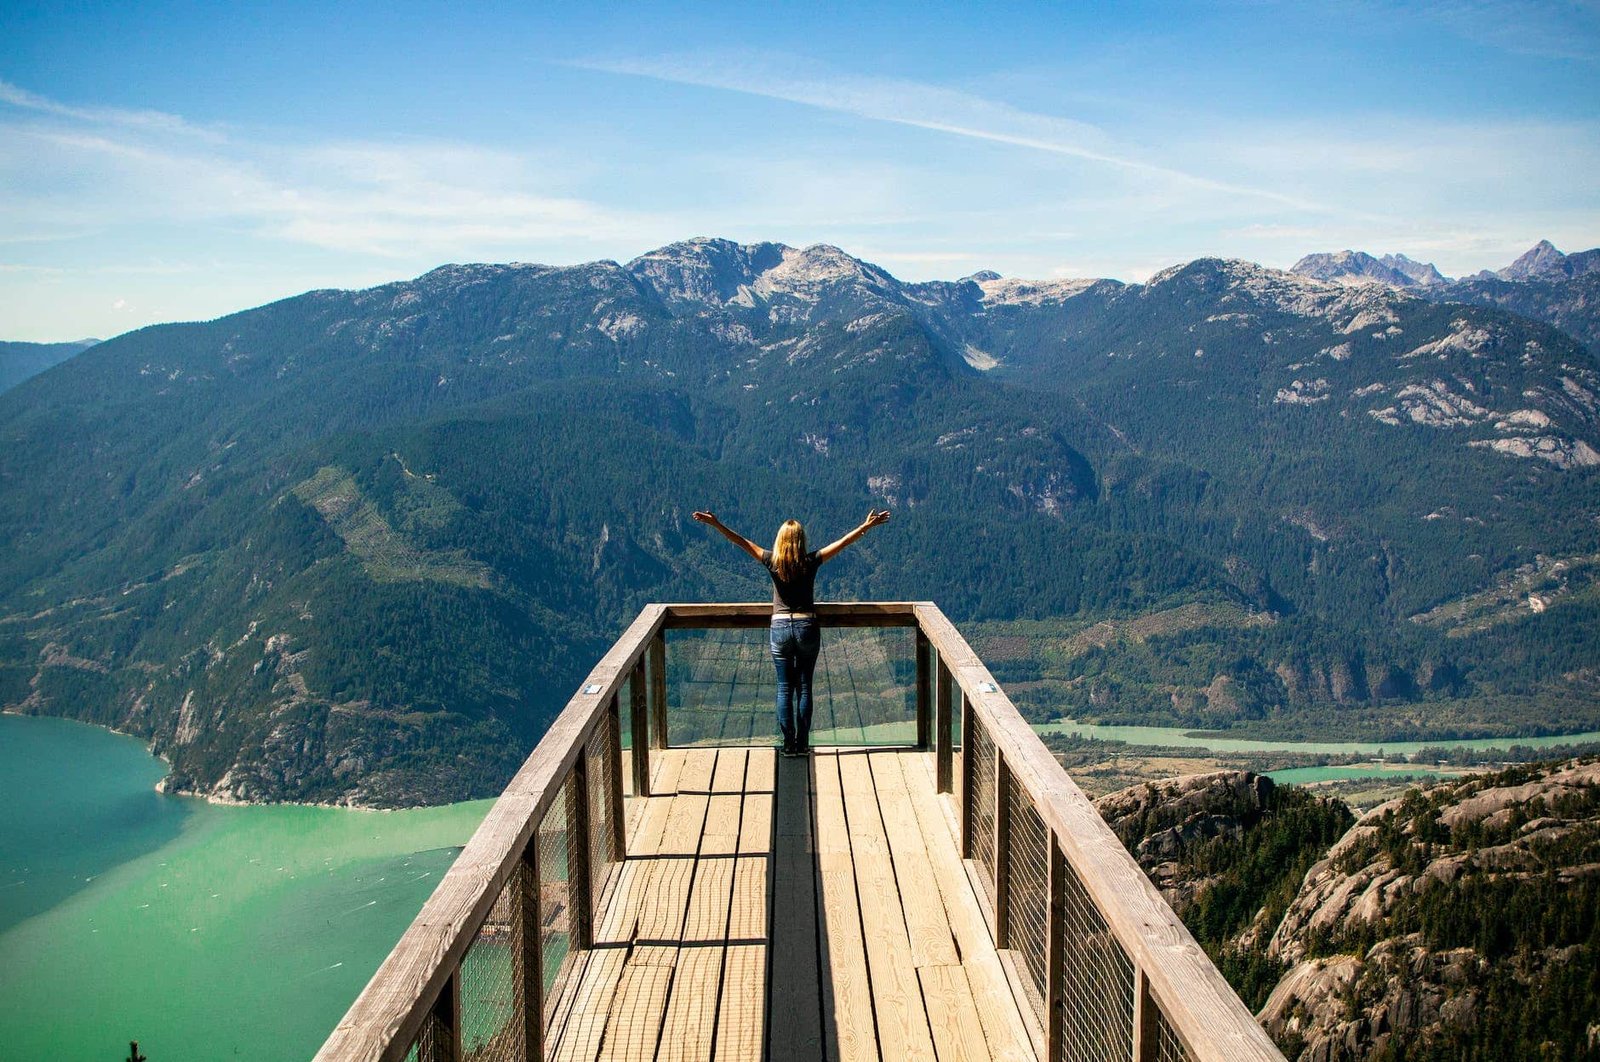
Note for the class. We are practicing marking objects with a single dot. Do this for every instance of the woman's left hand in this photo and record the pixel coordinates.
(875, 517)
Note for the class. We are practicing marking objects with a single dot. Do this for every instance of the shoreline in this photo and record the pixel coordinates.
(212, 798)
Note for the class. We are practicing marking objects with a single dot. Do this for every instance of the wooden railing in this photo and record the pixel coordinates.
(1099, 963)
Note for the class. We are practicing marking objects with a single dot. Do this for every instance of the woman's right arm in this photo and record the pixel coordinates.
(832, 549)
(731, 535)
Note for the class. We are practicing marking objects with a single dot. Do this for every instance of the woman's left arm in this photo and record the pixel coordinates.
(833, 549)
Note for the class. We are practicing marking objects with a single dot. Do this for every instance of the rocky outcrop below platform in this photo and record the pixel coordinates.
(1460, 921)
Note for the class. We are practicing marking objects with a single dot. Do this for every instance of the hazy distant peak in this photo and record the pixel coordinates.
(1425, 274)
(1359, 267)
(1542, 259)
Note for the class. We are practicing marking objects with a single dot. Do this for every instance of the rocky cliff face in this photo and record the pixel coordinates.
(1165, 824)
(1456, 922)
(1449, 920)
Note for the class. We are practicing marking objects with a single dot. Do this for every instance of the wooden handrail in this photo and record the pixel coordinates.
(1198, 1002)
(1171, 969)
(384, 1020)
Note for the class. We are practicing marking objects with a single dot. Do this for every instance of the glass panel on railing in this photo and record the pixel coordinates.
(722, 687)
(490, 1029)
(957, 706)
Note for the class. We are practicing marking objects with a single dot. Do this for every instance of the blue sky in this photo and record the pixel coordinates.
(171, 162)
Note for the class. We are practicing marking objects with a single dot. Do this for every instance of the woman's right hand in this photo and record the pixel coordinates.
(706, 517)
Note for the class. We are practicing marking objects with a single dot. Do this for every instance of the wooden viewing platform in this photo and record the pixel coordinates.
(656, 884)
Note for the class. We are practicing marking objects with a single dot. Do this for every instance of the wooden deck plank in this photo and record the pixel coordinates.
(666, 902)
(855, 839)
(953, 1015)
(794, 1000)
(896, 996)
(1004, 1031)
(691, 1019)
(633, 1023)
(721, 837)
(755, 824)
(707, 916)
(699, 764)
(741, 1020)
(847, 1001)
(728, 776)
(584, 1030)
(747, 910)
(620, 919)
(760, 775)
(927, 924)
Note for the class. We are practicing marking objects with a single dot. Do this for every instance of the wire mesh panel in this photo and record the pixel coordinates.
(555, 896)
(432, 1041)
(1096, 981)
(1029, 885)
(982, 795)
(602, 779)
(491, 1030)
(1168, 1048)
(722, 687)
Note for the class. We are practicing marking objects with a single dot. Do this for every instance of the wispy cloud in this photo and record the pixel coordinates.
(84, 171)
(153, 121)
(922, 106)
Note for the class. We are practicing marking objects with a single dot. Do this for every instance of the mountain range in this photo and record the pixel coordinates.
(357, 546)
(1543, 284)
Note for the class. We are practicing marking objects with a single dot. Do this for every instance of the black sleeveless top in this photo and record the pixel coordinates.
(797, 594)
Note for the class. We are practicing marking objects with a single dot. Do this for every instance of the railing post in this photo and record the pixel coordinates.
(639, 724)
(941, 725)
(966, 777)
(445, 1043)
(658, 692)
(613, 782)
(924, 690)
(578, 881)
(527, 965)
(1054, 961)
(1002, 850)
(1145, 1040)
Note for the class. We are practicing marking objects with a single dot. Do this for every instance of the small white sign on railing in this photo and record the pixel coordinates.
(988, 687)
(592, 688)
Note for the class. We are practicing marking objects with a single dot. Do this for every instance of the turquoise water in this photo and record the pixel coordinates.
(1397, 772)
(203, 932)
(1217, 742)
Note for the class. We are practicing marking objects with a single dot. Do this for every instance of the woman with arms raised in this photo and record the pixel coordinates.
(796, 636)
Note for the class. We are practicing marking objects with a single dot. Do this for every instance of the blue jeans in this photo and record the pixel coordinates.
(795, 644)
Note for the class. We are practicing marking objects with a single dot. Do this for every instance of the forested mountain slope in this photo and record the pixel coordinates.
(360, 545)
(18, 361)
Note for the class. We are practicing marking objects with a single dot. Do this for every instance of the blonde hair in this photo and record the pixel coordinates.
(789, 549)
